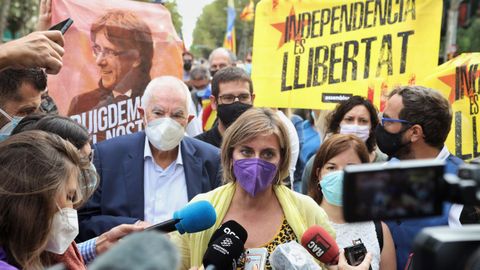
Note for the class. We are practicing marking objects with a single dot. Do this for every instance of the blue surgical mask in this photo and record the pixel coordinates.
(7, 129)
(332, 187)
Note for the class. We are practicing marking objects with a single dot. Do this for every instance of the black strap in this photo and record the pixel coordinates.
(378, 229)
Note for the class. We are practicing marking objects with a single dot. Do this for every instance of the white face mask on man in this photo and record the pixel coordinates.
(362, 132)
(164, 133)
(64, 230)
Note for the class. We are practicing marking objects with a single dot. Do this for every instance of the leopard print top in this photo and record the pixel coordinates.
(284, 235)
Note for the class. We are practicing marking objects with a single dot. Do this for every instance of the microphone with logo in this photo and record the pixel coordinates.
(194, 217)
(147, 250)
(321, 245)
(225, 247)
(292, 256)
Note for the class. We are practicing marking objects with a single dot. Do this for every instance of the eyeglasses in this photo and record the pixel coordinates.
(384, 120)
(90, 156)
(229, 99)
(97, 51)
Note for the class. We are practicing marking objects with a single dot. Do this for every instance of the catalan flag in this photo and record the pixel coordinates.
(248, 12)
(229, 41)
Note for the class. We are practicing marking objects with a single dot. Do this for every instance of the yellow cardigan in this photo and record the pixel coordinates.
(300, 211)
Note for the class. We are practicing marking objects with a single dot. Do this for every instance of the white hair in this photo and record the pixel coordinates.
(223, 51)
(158, 84)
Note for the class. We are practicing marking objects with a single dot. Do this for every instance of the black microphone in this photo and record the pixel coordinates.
(147, 250)
(223, 253)
(230, 227)
(292, 256)
(194, 217)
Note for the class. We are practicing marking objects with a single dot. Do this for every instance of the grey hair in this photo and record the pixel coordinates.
(200, 73)
(224, 51)
(158, 84)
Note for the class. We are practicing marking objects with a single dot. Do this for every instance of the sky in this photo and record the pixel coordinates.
(190, 10)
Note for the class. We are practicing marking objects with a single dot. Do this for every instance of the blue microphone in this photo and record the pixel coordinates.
(194, 217)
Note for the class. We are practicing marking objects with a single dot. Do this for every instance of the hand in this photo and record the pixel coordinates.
(108, 239)
(343, 264)
(44, 15)
(42, 49)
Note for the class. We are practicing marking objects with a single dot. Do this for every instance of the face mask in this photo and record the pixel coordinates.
(362, 132)
(7, 129)
(332, 187)
(64, 230)
(389, 143)
(254, 175)
(164, 133)
(187, 65)
(248, 68)
(92, 177)
(228, 113)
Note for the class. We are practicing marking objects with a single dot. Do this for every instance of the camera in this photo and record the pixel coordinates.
(417, 189)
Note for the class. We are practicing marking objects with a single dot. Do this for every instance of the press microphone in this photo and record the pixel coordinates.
(292, 256)
(320, 245)
(223, 253)
(194, 217)
(230, 227)
(147, 250)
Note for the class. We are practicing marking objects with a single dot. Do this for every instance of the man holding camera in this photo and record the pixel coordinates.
(414, 125)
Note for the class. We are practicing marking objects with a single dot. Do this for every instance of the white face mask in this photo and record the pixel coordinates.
(362, 132)
(164, 133)
(64, 230)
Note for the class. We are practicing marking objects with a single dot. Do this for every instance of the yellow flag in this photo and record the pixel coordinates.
(248, 12)
(313, 54)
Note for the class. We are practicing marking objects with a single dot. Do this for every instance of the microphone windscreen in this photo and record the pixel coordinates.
(320, 245)
(230, 227)
(292, 256)
(195, 217)
(147, 250)
(224, 252)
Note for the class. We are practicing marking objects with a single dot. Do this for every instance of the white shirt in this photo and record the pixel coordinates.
(165, 190)
(294, 144)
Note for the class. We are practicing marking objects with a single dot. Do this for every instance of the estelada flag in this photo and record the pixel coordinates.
(248, 12)
(112, 51)
(459, 81)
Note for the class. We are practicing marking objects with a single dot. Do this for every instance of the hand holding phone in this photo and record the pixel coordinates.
(62, 26)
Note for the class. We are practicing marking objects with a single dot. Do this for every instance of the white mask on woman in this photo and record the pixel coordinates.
(164, 133)
(362, 132)
(64, 230)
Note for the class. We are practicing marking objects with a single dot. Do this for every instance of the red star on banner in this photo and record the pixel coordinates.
(450, 80)
(281, 27)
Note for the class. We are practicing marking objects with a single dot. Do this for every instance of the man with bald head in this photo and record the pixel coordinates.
(220, 58)
(148, 175)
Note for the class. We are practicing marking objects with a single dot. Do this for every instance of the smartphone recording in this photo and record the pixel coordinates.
(62, 26)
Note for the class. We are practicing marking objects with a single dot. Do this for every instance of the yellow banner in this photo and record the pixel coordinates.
(459, 81)
(312, 54)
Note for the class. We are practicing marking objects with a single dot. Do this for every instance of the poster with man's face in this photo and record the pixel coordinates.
(112, 51)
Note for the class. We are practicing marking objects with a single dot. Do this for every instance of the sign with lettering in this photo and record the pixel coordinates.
(313, 54)
(112, 51)
(459, 81)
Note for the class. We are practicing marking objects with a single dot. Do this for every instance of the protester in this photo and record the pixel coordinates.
(414, 125)
(187, 65)
(20, 95)
(220, 58)
(42, 180)
(123, 47)
(326, 188)
(39, 49)
(76, 134)
(255, 158)
(146, 176)
(357, 116)
(200, 87)
(232, 95)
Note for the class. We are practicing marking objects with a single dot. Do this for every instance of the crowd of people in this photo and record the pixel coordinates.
(275, 173)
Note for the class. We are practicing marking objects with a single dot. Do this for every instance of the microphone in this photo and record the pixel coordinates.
(230, 227)
(320, 245)
(292, 256)
(147, 250)
(194, 217)
(223, 253)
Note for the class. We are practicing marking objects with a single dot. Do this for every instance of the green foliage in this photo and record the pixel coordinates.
(211, 26)
(22, 16)
(468, 40)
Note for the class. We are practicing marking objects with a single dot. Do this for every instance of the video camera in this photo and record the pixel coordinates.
(418, 189)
